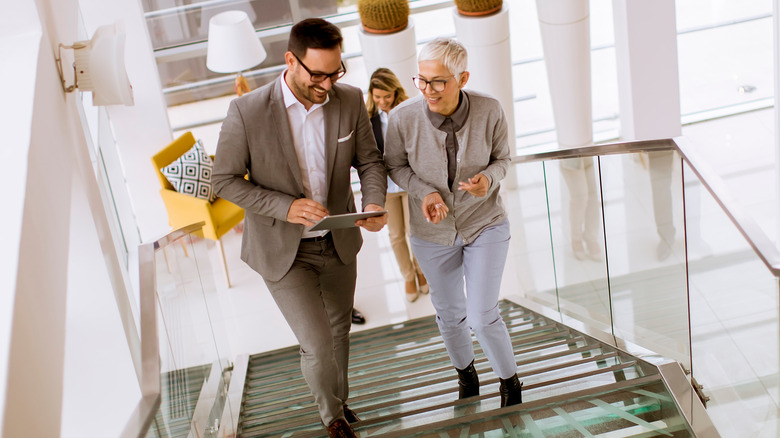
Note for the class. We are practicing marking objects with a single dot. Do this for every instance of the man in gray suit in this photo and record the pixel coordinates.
(297, 139)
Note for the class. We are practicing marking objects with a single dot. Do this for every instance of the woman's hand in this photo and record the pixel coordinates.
(433, 208)
(477, 185)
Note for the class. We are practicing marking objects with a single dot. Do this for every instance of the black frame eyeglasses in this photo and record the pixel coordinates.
(437, 85)
(318, 77)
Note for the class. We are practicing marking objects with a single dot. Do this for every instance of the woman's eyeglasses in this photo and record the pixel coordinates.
(437, 85)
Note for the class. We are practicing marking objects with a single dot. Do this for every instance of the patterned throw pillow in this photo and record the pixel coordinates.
(191, 173)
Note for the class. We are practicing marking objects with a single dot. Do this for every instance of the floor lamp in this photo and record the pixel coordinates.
(233, 46)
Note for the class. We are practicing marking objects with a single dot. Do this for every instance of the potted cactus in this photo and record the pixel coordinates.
(383, 16)
(478, 7)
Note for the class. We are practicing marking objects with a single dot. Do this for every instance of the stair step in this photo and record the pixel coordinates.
(403, 384)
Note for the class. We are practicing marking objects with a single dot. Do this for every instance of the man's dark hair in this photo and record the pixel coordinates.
(313, 33)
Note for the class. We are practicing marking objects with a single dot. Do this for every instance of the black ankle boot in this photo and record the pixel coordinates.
(510, 390)
(468, 381)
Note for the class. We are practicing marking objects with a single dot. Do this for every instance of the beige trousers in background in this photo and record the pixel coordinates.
(397, 206)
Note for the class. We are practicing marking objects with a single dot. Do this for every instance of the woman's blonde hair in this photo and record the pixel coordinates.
(385, 80)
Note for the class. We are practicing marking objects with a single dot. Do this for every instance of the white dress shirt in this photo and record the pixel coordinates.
(308, 133)
(383, 119)
(392, 187)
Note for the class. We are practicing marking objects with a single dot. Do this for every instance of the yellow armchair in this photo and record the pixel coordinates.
(220, 216)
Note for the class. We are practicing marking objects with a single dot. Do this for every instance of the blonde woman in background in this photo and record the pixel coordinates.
(385, 92)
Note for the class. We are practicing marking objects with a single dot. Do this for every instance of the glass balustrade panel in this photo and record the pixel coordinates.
(643, 217)
(194, 352)
(734, 320)
(530, 267)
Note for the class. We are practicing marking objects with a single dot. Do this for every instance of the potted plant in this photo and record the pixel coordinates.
(383, 16)
(478, 7)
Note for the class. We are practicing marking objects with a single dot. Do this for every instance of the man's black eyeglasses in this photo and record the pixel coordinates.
(319, 77)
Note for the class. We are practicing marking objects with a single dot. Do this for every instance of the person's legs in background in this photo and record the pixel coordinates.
(660, 165)
(422, 283)
(397, 231)
(584, 212)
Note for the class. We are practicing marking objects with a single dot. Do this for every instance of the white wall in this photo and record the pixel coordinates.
(142, 129)
(48, 223)
(98, 371)
(35, 357)
(20, 36)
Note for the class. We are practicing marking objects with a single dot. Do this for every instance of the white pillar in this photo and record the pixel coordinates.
(490, 59)
(396, 51)
(565, 29)
(648, 80)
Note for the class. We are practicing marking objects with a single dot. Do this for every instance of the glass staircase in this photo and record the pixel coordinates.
(403, 385)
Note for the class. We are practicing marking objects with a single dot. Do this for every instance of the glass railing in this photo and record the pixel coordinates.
(185, 354)
(640, 240)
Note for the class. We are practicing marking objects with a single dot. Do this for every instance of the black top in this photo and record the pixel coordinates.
(376, 124)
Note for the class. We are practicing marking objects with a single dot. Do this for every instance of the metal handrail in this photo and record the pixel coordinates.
(141, 419)
(762, 245)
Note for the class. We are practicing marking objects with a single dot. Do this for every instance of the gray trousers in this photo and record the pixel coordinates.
(316, 298)
(481, 263)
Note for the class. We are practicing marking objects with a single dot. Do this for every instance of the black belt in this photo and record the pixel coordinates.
(317, 238)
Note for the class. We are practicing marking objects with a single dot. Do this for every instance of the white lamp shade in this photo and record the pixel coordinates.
(233, 44)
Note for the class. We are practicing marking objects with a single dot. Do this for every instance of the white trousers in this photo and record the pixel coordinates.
(481, 263)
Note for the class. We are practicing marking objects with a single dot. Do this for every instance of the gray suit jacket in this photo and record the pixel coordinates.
(256, 138)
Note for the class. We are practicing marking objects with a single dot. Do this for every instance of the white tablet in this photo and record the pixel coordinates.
(343, 220)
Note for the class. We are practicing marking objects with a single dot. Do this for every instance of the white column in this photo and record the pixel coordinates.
(648, 80)
(396, 51)
(565, 29)
(490, 59)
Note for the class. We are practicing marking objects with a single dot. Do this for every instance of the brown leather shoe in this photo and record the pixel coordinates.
(340, 429)
(350, 415)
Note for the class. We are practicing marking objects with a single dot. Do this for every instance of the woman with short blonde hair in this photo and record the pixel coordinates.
(449, 149)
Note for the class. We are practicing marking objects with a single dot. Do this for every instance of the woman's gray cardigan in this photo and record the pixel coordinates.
(417, 161)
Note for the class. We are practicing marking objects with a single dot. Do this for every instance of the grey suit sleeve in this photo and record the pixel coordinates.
(230, 166)
(397, 161)
(368, 161)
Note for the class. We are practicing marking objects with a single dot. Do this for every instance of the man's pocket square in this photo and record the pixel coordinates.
(342, 139)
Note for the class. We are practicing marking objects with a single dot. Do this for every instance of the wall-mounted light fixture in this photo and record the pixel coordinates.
(99, 67)
(233, 46)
